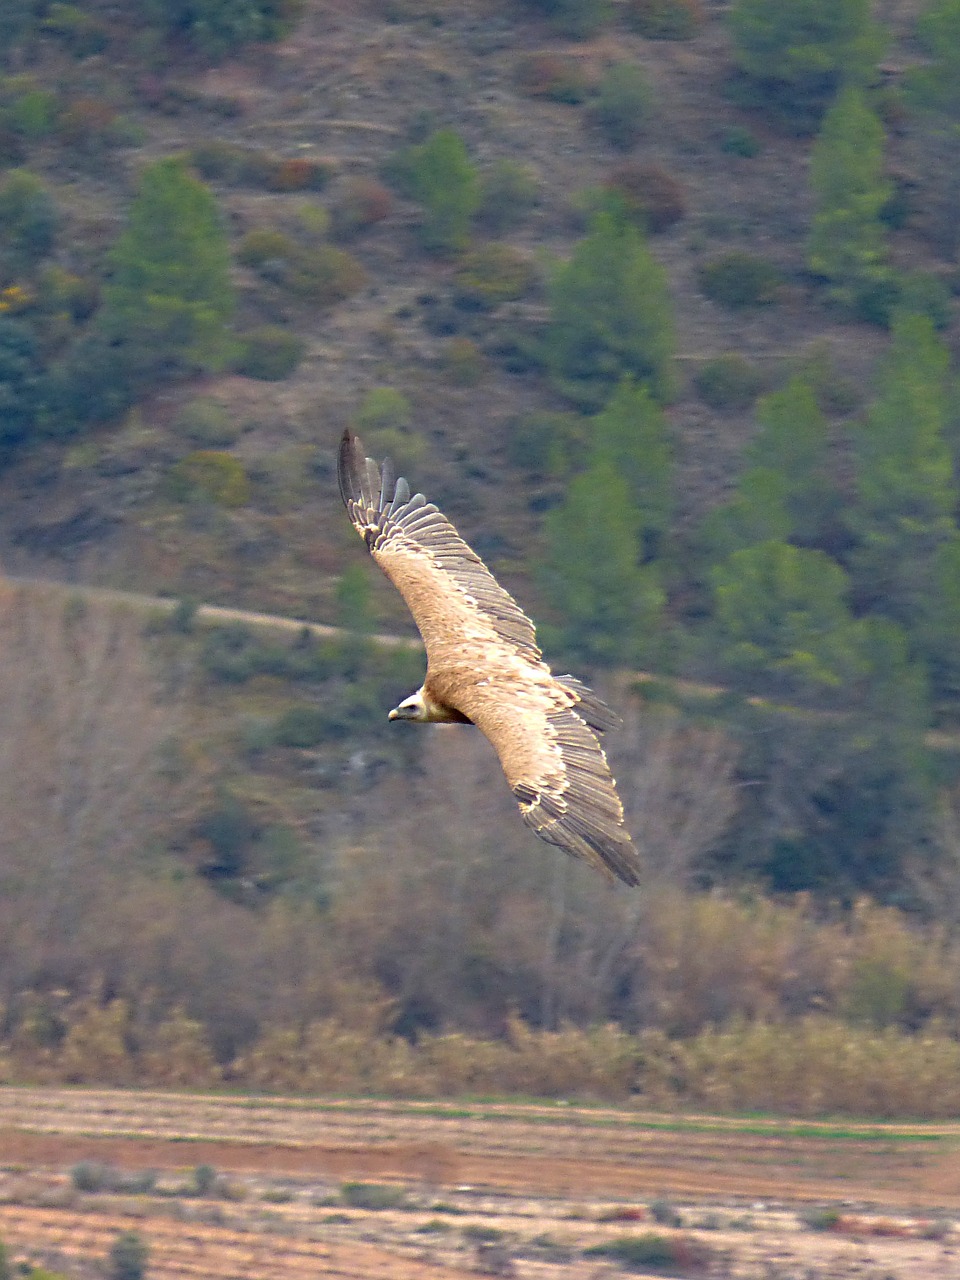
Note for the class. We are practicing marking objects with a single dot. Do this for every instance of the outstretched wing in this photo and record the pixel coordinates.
(555, 765)
(453, 596)
(482, 659)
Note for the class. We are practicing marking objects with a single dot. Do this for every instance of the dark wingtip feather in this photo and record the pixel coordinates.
(347, 467)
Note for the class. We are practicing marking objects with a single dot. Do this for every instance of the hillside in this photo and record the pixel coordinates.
(351, 87)
(730, 501)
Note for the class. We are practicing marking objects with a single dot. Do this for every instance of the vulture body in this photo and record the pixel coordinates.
(484, 668)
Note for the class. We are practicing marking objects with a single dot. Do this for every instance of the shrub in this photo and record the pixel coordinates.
(61, 291)
(89, 124)
(623, 105)
(218, 161)
(81, 32)
(320, 274)
(34, 113)
(269, 352)
(215, 27)
(299, 174)
(463, 362)
(363, 203)
(738, 140)
(204, 1179)
(207, 423)
(508, 191)
(439, 175)
(28, 217)
(739, 279)
(665, 19)
(92, 1176)
(820, 1219)
(128, 1257)
(212, 476)
(649, 194)
(575, 19)
(252, 167)
(548, 75)
(302, 727)
(926, 294)
(263, 245)
(665, 1213)
(728, 383)
(494, 273)
(323, 275)
(666, 1255)
(373, 1195)
(383, 407)
(546, 443)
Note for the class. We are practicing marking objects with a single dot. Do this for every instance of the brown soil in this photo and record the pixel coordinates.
(549, 1180)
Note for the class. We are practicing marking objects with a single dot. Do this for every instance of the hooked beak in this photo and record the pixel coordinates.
(394, 714)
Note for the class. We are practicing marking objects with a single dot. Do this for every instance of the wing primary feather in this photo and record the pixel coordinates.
(370, 486)
(386, 485)
(589, 705)
(347, 470)
(401, 495)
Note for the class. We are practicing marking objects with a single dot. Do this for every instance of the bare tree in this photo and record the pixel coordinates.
(679, 789)
(82, 786)
(450, 902)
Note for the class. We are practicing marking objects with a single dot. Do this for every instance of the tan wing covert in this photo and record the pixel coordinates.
(426, 559)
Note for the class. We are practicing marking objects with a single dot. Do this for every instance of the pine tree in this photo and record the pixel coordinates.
(610, 317)
(757, 512)
(169, 296)
(847, 244)
(780, 616)
(934, 89)
(217, 26)
(939, 637)
(20, 382)
(611, 606)
(440, 175)
(631, 431)
(905, 499)
(786, 495)
(796, 54)
(792, 440)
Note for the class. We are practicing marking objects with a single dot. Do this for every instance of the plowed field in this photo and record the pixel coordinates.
(499, 1188)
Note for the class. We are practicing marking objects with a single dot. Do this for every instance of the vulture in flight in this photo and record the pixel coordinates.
(484, 668)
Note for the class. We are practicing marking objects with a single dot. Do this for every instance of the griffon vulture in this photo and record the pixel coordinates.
(484, 668)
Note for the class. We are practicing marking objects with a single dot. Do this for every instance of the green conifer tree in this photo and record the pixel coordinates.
(169, 295)
(903, 511)
(933, 89)
(631, 431)
(939, 636)
(792, 440)
(610, 316)
(796, 54)
(787, 494)
(611, 605)
(756, 513)
(780, 617)
(847, 244)
(440, 175)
